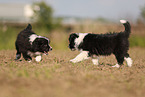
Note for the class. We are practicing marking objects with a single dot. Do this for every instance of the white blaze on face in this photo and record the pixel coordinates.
(32, 37)
(46, 39)
(79, 39)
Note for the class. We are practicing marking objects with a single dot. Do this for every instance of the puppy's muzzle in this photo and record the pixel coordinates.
(73, 49)
(50, 49)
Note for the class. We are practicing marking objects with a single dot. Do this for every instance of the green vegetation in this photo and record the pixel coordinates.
(7, 37)
(137, 41)
(59, 38)
(47, 25)
(143, 12)
(43, 16)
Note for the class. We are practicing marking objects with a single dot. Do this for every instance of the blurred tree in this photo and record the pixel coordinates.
(43, 15)
(102, 20)
(143, 12)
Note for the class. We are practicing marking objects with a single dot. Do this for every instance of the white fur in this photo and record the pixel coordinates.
(123, 21)
(38, 58)
(79, 39)
(32, 54)
(43, 37)
(32, 38)
(95, 61)
(29, 61)
(129, 61)
(117, 66)
(82, 56)
(38, 53)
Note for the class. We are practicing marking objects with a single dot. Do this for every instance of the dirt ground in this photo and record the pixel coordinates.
(55, 76)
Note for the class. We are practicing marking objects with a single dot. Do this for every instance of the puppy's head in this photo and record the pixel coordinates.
(41, 44)
(76, 39)
(72, 38)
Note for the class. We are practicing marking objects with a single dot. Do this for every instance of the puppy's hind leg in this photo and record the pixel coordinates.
(82, 56)
(128, 60)
(18, 54)
(120, 60)
(27, 57)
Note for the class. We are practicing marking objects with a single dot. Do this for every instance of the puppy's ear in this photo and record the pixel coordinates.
(74, 35)
(29, 27)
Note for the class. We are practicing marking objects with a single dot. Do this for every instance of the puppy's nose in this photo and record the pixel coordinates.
(50, 49)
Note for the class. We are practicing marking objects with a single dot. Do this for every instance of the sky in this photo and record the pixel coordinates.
(110, 9)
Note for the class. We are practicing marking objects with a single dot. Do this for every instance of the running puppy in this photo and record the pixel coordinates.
(31, 45)
(94, 45)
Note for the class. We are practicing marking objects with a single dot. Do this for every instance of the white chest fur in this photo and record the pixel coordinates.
(32, 54)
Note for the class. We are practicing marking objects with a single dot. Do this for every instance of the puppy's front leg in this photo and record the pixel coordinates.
(38, 58)
(95, 61)
(82, 56)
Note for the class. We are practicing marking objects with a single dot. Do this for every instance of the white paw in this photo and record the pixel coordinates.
(73, 61)
(29, 61)
(95, 61)
(129, 65)
(129, 61)
(117, 66)
(38, 58)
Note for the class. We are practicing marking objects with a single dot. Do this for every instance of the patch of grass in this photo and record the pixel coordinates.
(7, 39)
(56, 76)
(137, 41)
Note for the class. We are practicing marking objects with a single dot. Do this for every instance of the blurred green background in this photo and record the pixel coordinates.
(45, 24)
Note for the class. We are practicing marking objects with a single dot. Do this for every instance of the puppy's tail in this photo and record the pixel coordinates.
(127, 27)
(29, 27)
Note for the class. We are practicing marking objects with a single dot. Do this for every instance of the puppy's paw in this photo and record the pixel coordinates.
(38, 58)
(95, 61)
(29, 61)
(18, 56)
(117, 66)
(73, 61)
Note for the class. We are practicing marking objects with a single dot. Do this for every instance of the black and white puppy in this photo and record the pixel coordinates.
(31, 45)
(94, 45)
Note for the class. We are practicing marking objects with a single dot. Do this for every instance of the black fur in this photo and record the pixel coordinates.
(105, 44)
(71, 41)
(23, 44)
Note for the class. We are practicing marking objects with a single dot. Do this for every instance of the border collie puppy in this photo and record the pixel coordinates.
(31, 45)
(94, 45)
